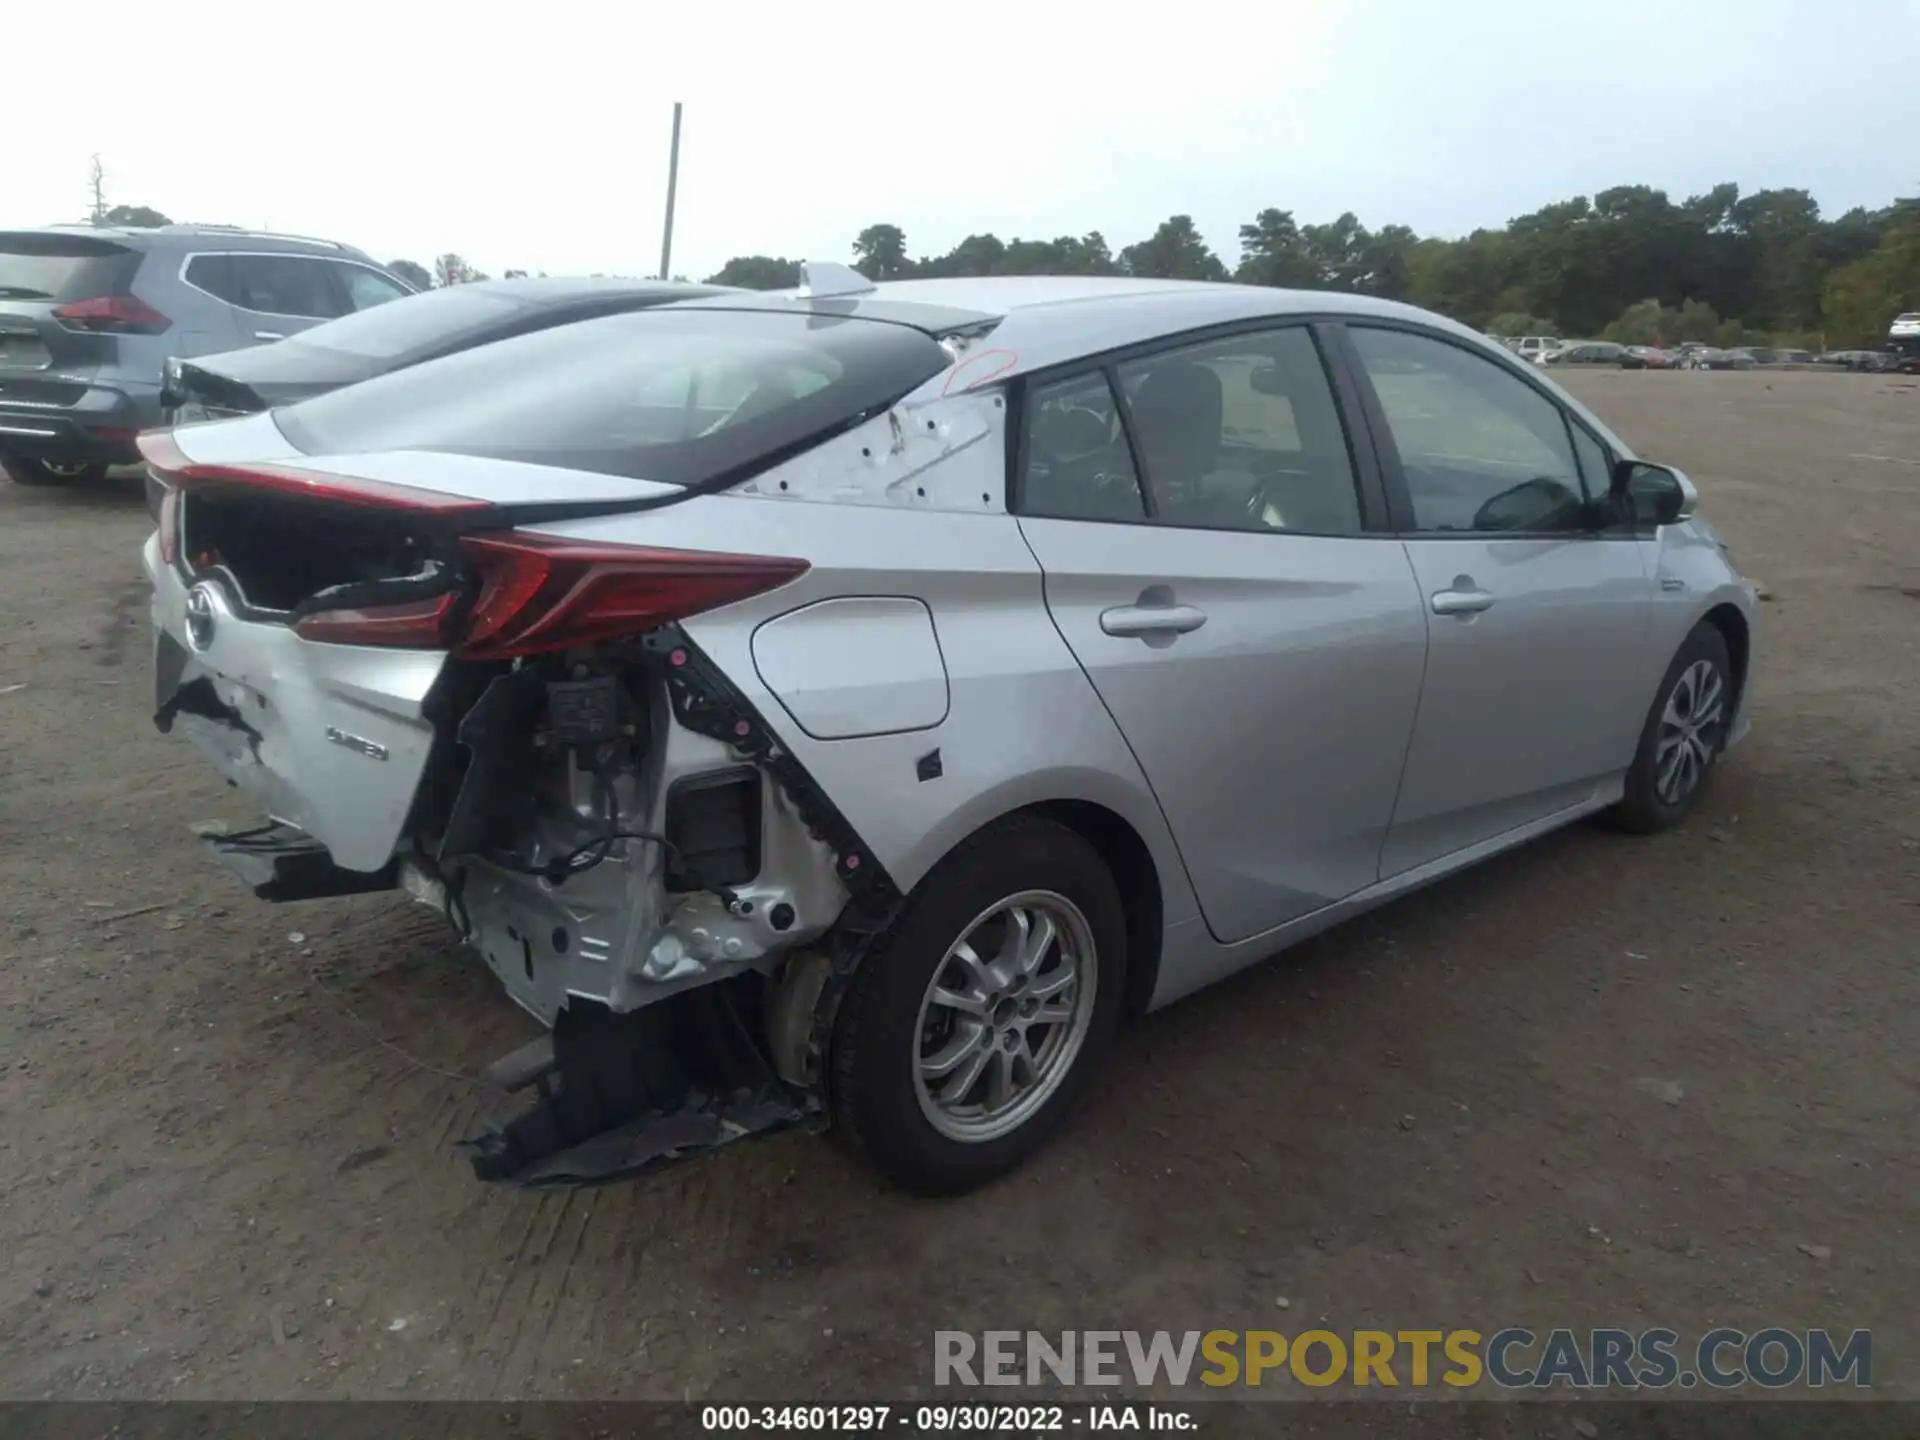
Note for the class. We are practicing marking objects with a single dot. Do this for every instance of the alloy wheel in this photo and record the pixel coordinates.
(1005, 1016)
(1691, 730)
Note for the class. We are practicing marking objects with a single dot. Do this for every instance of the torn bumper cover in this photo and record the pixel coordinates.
(615, 1096)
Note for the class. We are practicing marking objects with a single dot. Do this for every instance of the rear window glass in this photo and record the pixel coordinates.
(685, 397)
(411, 323)
(59, 267)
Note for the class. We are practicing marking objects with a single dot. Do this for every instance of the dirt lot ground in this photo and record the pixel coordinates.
(219, 1178)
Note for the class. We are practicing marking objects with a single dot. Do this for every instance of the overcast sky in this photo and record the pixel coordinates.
(535, 135)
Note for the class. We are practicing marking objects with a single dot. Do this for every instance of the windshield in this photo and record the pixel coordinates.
(58, 267)
(412, 323)
(685, 397)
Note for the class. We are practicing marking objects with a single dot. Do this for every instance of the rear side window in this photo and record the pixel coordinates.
(1079, 466)
(268, 284)
(1242, 434)
(414, 323)
(61, 267)
(684, 397)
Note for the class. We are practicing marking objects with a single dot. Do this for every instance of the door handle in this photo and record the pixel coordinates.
(1137, 621)
(268, 335)
(1461, 601)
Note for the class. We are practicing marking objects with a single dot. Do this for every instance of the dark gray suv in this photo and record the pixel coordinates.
(89, 317)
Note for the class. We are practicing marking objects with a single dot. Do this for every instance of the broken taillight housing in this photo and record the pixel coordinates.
(540, 593)
(531, 593)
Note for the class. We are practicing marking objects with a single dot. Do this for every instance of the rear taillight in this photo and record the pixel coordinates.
(540, 593)
(413, 625)
(532, 593)
(112, 315)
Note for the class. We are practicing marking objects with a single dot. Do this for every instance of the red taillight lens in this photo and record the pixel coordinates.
(537, 593)
(112, 315)
(413, 625)
(542, 593)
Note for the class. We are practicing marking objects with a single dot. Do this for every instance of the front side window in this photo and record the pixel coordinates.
(684, 397)
(1481, 450)
(1242, 434)
(366, 288)
(1594, 467)
(1078, 465)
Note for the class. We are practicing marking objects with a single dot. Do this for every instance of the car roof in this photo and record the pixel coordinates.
(196, 236)
(557, 288)
(1044, 320)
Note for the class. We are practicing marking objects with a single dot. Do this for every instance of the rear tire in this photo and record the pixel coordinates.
(1684, 734)
(23, 471)
(968, 1033)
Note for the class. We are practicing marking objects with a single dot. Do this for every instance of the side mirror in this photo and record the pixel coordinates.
(1655, 494)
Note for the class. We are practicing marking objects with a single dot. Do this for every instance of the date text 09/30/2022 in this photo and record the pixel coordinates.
(946, 1419)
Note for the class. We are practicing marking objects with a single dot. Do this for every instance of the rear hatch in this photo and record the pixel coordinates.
(63, 303)
(316, 568)
(242, 382)
(339, 352)
(304, 612)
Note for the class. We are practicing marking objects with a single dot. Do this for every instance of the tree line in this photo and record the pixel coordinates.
(1627, 264)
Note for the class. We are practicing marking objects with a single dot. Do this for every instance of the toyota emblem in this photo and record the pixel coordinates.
(200, 617)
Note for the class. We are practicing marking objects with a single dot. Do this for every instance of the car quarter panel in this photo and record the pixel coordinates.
(1693, 577)
(1022, 725)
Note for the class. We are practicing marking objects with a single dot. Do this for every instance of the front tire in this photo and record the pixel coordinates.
(973, 1026)
(23, 471)
(1685, 732)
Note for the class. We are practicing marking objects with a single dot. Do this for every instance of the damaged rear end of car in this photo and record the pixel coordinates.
(378, 615)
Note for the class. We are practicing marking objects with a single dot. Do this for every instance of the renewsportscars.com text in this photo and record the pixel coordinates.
(1514, 1358)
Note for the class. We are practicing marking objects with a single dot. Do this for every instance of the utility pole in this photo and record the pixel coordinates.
(97, 182)
(673, 180)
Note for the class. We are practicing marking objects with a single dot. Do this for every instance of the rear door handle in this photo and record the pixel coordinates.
(1461, 602)
(268, 335)
(1134, 621)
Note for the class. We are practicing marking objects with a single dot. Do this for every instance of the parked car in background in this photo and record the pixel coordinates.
(1651, 357)
(796, 749)
(1866, 360)
(88, 318)
(1707, 357)
(1793, 357)
(1588, 353)
(1532, 347)
(392, 337)
(1903, 343)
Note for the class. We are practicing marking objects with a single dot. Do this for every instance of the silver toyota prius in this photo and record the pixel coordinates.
(846, 706)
